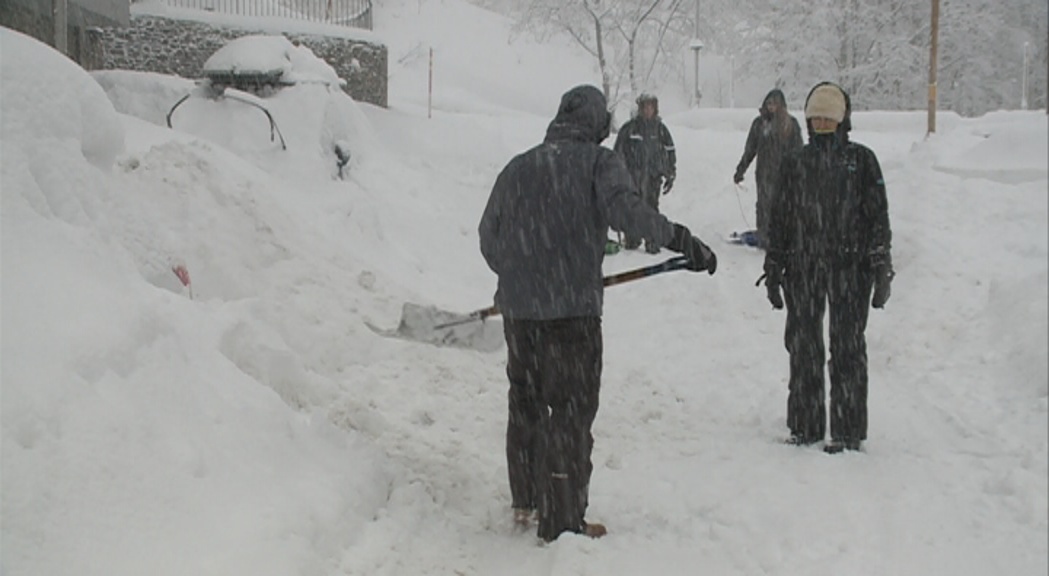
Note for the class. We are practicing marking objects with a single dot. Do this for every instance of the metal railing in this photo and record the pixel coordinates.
(353, 13)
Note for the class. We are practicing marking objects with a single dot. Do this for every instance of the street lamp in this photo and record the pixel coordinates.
(696, 45)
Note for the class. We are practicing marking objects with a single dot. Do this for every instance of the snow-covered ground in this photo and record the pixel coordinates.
(261, 428)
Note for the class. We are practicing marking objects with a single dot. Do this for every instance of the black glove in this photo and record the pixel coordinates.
(737, 177)
(773, 277)
(881, 267)
(668, 183)
(700, 256)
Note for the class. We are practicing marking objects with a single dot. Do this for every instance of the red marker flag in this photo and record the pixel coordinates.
(183, 276)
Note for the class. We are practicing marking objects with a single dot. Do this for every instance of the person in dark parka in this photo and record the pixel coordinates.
(773, 135)
(829, 244)
(543, 233)
(646, 145)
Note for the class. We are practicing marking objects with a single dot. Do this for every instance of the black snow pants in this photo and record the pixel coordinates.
(809, 286)
(554, 368)
(762, 207)
(651, 186)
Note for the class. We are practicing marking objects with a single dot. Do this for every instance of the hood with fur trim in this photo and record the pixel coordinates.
(646, 98)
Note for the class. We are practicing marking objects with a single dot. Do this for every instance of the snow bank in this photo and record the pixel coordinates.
(1008, 148)
(144, 432)
(51, 98)
(145, 95)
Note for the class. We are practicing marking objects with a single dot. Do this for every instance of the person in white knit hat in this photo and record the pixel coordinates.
(829, 248)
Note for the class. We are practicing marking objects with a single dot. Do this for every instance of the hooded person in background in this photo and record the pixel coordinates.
(543, 233)
(646, 145)
(829, 244)
(773, 135)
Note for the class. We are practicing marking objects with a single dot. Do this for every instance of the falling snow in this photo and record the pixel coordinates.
(260, 427)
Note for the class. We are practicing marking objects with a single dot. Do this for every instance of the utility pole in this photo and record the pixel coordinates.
(932, 65)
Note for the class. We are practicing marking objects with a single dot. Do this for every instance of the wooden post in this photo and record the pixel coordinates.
(695, 54)
(60, 15)
(932, 65)
(1023, 94)
(429, 89)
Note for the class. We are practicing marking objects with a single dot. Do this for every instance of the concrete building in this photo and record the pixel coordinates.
(66, 24)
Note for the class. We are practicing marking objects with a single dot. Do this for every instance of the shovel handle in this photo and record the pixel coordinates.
(471, 317)
(484, 313)
(676, 263)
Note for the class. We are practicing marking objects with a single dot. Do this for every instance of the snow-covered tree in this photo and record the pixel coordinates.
(586, 21)
(625, 37)
(878, 50)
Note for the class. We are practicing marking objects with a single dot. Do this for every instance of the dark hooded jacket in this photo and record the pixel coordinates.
(831, 202)
(646, 145)
(771, 137)
(544, 229)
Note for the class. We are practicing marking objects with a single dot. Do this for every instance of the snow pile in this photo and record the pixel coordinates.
(1007, 147)
(136, 437)
(66, 111)
(145, 95)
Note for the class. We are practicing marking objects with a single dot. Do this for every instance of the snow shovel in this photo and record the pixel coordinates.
(432, 325)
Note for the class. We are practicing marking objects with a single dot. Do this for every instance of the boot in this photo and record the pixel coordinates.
(523, 516)
(590, 529)
(796, 440)
(839, 446)
(594, 530)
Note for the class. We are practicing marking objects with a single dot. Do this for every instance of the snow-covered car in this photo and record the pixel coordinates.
(259, 71)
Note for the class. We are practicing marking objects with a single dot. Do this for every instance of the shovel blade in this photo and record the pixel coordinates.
(418, 323)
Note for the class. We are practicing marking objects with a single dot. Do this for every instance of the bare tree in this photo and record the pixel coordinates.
(625, 37)
(583, 20)
(628, 19)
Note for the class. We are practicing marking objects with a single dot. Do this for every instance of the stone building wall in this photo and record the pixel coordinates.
(83, 19)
